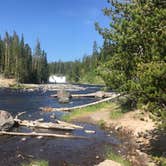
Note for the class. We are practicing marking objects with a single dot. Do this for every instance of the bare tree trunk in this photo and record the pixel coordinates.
(85, 105)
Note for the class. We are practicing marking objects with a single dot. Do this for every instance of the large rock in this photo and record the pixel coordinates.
(63, 96)
(109, 163)
(6, 120)
(100, 94)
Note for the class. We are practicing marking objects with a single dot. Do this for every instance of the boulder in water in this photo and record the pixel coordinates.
(6, 120)
(100, 94)
(63, 96)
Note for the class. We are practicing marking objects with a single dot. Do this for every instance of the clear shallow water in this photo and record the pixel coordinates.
(15, 151)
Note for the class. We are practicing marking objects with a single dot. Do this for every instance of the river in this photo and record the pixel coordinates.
(58, 152)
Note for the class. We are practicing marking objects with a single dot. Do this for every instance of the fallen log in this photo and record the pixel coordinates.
(98, 94)
(69, 124)
(86, 105)
(41, 134)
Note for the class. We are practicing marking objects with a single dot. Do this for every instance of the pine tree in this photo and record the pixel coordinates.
(137, 63)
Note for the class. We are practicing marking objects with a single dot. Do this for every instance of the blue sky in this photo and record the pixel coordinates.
(65, 28)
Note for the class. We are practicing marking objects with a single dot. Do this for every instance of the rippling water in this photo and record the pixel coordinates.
(15, 150)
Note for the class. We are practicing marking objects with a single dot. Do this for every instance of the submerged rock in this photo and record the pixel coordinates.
(6, 120)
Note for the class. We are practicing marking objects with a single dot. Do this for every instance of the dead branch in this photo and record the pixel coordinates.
(69, 124)
(19, 114)
(41, 134)
(98, 94)
(86, 105)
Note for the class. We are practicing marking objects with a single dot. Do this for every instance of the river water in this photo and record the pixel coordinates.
(15, 151)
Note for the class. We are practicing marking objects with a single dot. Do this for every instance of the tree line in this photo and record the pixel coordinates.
(17, 60)
(75, 70)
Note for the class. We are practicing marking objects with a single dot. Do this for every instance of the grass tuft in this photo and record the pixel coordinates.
(37, 163)
(115, 111)
(117, 158)
(84, 111)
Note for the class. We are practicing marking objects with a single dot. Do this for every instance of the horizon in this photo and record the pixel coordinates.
(66, 30)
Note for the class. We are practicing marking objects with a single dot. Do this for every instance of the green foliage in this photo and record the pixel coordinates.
(116, 111)
(116, 114)
(84, 111)
(39, 65)
(37, 163)
(16, 60)
(91, 78)
(133, 53)
(102, 124)
(160, 160)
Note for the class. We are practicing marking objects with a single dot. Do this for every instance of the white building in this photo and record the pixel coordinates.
(57, 79)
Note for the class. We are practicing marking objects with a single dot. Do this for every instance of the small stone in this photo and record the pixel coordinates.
(97, 157)
(119, 151)
(118, 128)
(67, 133)
(53, 116)
(23, 139)
(39, 137)
(20, 156)
(90, 131)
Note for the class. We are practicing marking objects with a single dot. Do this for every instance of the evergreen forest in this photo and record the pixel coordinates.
(17, 60)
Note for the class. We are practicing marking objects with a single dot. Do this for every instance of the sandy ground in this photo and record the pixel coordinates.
(6, 82)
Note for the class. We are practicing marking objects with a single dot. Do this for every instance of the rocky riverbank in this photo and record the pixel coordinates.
(135, 127)
(12, 83)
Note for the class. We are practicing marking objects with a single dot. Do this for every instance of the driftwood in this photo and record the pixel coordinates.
(37, 123)
(48, 125)
(69, 124)
(60, 125)
(98, 94)
(41, 134)
(45, 125)
(86, 105)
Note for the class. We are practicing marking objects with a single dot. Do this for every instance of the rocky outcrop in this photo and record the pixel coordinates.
(6, 120)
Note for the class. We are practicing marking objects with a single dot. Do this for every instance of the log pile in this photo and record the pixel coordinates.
(60, 125)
